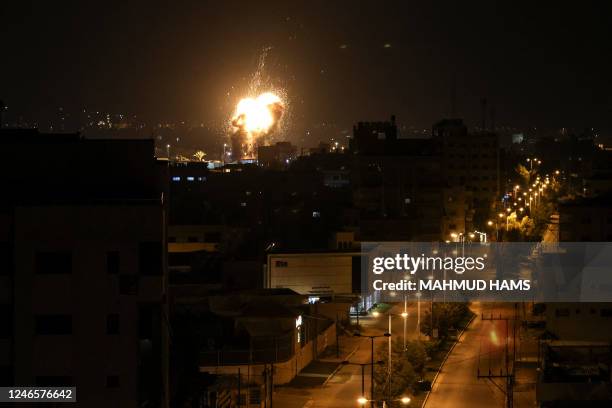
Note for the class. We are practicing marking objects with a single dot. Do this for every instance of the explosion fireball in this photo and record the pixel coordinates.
(253, 121)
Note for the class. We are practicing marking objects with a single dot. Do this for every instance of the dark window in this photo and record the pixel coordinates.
(58, 262)
(150, 258)
(54, 381)
(605, 312)
(112, 262)
(128, 284)
(585, 220)
(6, 317)
(54, 324)
(6, 258)
(192, 239)
(562, 312)
(171, 239)
(281, 264)
(112, 324)
(112, 381)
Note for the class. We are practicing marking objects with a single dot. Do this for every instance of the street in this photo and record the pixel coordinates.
(481, 350)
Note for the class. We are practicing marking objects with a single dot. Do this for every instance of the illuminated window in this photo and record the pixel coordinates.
(176, 178)
(190, 178)
(316, 214)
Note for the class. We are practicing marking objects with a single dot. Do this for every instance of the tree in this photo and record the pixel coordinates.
(523, 173)
(446, 317)
(406, 369)
(199, 155)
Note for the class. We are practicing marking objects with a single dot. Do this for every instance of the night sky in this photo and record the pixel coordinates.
(539, 63)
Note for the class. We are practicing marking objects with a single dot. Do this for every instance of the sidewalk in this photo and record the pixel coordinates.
(317, 384)
(319, 371)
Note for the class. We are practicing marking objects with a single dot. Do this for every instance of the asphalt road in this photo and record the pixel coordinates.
(482, 346)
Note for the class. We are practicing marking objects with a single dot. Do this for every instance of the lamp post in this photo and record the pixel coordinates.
(418, 325)
(362, 400)
(405, 316)
(357, 334)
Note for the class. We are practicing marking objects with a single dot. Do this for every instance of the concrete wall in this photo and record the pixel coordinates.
(284, 371)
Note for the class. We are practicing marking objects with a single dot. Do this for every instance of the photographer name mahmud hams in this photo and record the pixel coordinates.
(475, 284)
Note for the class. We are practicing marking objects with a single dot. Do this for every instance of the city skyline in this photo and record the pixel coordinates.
(537, 66)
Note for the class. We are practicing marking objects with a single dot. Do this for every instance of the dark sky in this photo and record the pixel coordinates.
(540, 63)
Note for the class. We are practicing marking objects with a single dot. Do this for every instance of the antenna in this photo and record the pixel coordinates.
(453, 95)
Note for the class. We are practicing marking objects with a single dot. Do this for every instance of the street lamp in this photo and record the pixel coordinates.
(362, 400)
(418, 325)
(404, 315)
(403, 400)
(357, 334)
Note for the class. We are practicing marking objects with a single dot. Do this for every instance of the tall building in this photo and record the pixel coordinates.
(83, 274)
(470, 161)
(398, 185)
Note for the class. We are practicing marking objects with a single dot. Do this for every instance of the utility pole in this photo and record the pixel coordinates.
(509, 375)
(372, 375)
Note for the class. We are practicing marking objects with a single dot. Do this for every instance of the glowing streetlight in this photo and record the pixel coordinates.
(362, 400)
(405, 400)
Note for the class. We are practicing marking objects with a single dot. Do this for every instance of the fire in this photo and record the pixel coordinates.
(254, 120)
(255, 115)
